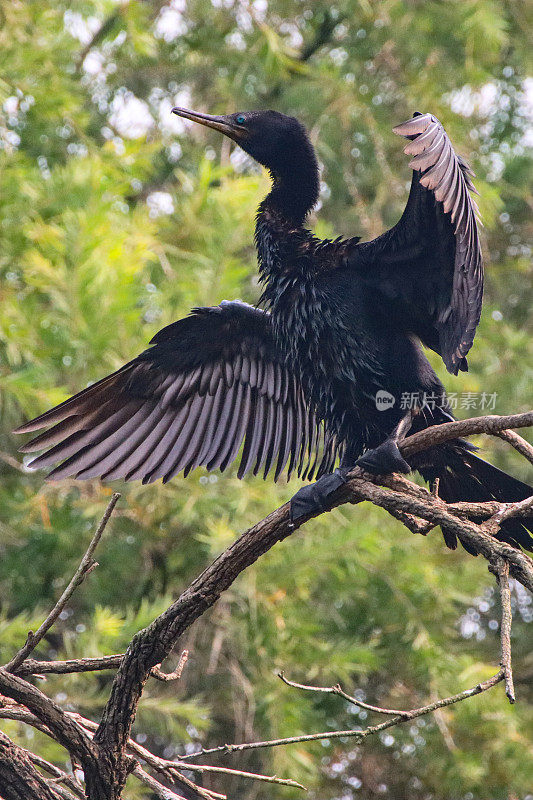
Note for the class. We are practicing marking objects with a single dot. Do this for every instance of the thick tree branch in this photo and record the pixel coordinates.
(491, 424)
(20, 780)
(64, 730)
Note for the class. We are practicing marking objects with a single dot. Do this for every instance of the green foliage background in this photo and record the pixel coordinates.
(91, 268)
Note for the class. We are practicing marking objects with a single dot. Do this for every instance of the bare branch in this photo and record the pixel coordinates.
(58, 775)
(33, 667)
(173, 775)
(518, 442)
(357, 734)
(87, 564)
(171, 767)
(436, 511)
(11, 710)
(491, 424)
(506, 511)
(502, 574)
(337, 689)
(254, 776)
(156, 787)
(157, 672)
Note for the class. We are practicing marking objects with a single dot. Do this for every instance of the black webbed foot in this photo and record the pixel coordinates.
(315, 497)
(384, 459)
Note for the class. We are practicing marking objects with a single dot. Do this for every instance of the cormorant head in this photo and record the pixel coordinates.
(278, 142)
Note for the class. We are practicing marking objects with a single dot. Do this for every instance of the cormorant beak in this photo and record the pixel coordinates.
(223, 124)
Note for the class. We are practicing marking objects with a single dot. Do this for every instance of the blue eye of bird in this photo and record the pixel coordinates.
(240, 119)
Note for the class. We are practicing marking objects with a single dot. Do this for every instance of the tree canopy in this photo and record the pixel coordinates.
(115, 219)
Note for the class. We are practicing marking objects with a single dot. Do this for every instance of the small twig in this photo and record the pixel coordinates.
(58, 776)
(87, 564)
(167, 794)
(435, 487)
(501, 569)
(443, 728)
(158, 673)
(506, 511)
(413, 523)
(518, 442)
(156, 787)
(338, 690)
(254, 776)
(362, 734)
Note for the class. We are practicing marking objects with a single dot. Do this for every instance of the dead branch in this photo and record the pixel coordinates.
(338, 690)
(32, 666)
(519, 443)
(490, 424)
(67, 732)
(501, 570)
(175, 675)
(87, 564)
(156, 787)
(58, 775)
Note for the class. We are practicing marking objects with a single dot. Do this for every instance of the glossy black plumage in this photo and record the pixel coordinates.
(298, 383)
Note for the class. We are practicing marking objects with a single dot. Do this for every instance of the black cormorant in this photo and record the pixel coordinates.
(332, 368)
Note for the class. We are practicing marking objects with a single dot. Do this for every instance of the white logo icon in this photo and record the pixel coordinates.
(384, 400)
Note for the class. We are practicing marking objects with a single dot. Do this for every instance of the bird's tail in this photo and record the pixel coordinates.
(466, 477)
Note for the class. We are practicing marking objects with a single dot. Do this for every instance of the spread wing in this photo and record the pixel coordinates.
(209, 383)
(429, 264)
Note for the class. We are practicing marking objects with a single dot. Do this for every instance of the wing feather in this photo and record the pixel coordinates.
(209, 385)
(430, 262)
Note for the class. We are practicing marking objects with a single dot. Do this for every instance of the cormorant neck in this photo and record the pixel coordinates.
(295, 187)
